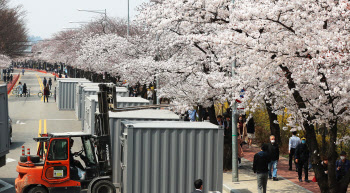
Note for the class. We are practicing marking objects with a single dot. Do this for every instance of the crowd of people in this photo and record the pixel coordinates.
(6, 75)
(266, 161)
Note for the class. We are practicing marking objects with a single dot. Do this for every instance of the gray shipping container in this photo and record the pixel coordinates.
(91, 105)
(4, 129)
(87, 91)
(66, 91)
(115, 119)
(169, 156)
(79, 97)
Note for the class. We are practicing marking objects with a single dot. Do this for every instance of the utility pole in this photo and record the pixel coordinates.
(234, 135)
(234, 129)
(128, 19)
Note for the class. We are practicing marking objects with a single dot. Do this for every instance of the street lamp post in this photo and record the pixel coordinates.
(96, 11)
(104, 12)
(234, 130)
(128, 19)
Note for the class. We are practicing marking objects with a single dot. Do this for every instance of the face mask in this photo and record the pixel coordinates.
(272, 141)
(303, 141)
(342, 157)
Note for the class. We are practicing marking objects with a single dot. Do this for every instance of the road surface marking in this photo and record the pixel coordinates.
(39, 132)
(41, 86)
(9, 160)
(45, 130)
(62, 119)
(6, 186)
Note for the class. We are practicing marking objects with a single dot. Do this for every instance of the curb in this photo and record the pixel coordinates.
(229, 189)
(13, 83)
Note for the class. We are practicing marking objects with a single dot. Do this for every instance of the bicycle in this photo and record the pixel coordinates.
(15, 92)
(40, 94)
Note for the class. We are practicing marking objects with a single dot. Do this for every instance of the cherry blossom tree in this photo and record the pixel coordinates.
(195, 71)
(302, 47)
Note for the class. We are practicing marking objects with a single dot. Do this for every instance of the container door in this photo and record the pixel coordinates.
(56, 169)
(4, 124)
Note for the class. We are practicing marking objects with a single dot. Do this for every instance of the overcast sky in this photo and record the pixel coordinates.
(46, 17)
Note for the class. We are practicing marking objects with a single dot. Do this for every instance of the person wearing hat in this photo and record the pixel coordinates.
(342, 166)
(302, 159)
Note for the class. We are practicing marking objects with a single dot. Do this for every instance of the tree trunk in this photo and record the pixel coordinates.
(212, 116)
(310, 135)
(274, 128)
(199, 112)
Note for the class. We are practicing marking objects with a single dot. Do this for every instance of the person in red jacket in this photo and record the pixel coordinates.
(46, 93)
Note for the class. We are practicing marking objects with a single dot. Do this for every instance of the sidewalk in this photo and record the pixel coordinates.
(288, 180)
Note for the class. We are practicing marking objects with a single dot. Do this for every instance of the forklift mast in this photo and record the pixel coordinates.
(106, 101)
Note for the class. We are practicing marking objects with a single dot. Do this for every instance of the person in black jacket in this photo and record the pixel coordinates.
(250, 131)
(274, 152)
(227, 143)
(260, 166)
(302, 158)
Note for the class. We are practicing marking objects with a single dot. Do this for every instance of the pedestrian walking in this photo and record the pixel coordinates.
(193, 114)
(250, 131)
(8, 77)
(342, 166)
(294, 141)
(46, 94)
(50, 83)
(23, 71)
(5, 77)
(240, 152)
(198, 184)
(11, 77)
(149, 94)
(44, 82)
(219, 120)
(274, 152)
(227, 144)
(242, 128)
(260, 167)
(25, 89)
(20, 89)
(302, 159)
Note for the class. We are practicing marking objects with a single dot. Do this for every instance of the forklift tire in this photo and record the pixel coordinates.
(33, 158)
(38, 189)
(103, 186)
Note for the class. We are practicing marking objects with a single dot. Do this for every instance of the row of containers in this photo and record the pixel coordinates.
(152, 149)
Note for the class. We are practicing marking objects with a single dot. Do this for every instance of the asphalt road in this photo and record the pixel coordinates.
(31, 116)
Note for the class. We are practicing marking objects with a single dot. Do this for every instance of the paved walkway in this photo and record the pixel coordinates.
(288, 180)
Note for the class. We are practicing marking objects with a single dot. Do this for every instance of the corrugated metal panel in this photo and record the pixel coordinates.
(88, 120)
(78, 97)
(87, 91)
(4, 131)
(67, 93)
(163, 157)
(122, 91)
(115, 119)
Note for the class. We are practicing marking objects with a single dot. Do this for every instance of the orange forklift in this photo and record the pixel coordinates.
(54, 169)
